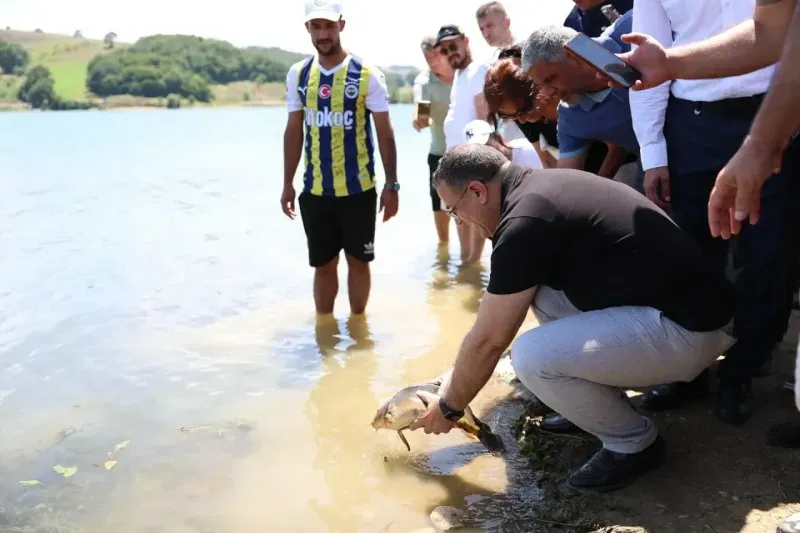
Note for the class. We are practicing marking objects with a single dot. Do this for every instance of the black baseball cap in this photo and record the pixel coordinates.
(448, 32)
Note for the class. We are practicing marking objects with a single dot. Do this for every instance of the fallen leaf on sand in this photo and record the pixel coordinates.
(110, 464)
(66, 471)
(28, 482)
(121, 445)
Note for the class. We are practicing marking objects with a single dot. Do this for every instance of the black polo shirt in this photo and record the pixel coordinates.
(603, 244)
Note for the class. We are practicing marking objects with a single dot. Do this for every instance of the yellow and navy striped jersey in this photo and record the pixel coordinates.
(339, 150)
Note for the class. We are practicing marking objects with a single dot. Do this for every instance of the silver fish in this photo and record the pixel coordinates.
(400, 411)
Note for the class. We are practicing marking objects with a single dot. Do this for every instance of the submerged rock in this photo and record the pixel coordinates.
(445, 518)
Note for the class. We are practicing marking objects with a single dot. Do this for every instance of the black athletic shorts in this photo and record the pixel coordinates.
(433, 164)
(335, 223)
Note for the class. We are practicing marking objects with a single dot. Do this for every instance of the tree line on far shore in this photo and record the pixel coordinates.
(162, 66)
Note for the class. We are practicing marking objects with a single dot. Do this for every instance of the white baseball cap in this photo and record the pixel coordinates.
(323, 9)
(478, 132)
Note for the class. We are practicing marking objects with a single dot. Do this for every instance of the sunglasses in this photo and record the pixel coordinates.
(448, 49)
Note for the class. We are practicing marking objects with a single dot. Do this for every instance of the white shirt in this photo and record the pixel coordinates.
(467, 84)
(676, 23)
(377, 99)
(524, 155)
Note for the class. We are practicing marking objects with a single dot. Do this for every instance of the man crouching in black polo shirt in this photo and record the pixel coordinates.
(623, 297)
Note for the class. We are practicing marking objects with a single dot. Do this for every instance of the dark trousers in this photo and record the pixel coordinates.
(701, 139)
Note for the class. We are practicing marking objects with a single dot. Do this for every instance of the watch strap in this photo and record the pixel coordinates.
(450, 414)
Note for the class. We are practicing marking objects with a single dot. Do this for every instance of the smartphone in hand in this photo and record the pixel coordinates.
(593, 54)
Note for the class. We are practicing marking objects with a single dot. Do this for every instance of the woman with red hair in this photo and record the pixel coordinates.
(512, 95)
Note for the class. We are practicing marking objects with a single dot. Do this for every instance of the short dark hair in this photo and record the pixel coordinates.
(466, 162)
(490, 7)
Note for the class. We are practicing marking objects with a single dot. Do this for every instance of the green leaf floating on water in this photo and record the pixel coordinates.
(29, 482)
(66, 471)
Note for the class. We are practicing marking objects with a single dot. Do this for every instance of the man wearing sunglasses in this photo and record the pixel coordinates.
(467, 103)
(580, 252)
(589, 111)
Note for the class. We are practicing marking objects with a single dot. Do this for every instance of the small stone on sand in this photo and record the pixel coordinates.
(445, 518)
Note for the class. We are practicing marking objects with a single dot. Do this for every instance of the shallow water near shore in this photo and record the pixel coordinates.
(155, 300)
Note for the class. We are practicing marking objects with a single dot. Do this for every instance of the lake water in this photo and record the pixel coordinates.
(153, 294)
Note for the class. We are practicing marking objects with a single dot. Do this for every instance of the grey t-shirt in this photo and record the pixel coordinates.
(429, 87)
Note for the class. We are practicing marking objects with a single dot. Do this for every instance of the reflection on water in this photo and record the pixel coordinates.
(341, 394)
(164, 300)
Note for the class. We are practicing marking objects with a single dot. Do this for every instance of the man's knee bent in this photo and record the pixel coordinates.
(531, 359)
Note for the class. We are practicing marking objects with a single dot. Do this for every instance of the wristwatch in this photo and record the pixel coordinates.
(450, 414)
(392, 186)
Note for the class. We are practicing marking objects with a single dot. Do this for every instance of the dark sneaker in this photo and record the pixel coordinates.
(789, 384)
(784, 435)
(555, 423)
(734, 401)
(674, 395)
(608, 471)
(790, 525)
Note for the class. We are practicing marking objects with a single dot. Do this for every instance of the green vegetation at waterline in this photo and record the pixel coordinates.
(156, 71)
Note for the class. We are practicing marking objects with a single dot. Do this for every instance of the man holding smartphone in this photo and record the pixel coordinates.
(589, 111)
(689, 130)
(772, 35)
(433, 87)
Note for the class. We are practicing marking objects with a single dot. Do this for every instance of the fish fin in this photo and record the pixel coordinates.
(426, 397)
(403, 438)
(489, 438)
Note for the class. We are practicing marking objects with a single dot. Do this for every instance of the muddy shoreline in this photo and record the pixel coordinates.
(717, 479)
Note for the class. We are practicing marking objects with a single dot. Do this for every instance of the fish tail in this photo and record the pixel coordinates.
(489, 438)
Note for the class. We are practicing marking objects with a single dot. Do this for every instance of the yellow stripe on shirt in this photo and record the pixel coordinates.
(337, 132)
(311, 104)
(361, 124)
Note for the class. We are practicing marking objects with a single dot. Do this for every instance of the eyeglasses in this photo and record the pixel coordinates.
(452, 211)
(524, 110)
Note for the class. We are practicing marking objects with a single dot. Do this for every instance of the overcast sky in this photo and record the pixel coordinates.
(382, 31)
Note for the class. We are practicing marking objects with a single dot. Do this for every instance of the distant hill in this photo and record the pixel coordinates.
(71, 60)
(66, 57)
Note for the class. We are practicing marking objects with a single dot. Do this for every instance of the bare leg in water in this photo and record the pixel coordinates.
(326, 286)
(478, 243)
(442, 222)
(465, 238)
(358, 284)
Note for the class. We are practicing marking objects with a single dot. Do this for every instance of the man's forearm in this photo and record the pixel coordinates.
(612, 161)
(292, 150)
(779, 115)
(474, 365)
(750, 46)
(388, 149)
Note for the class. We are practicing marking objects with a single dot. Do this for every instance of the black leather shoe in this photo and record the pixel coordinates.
(784, 435)
(608, 471)
(674, 395)
(790, 525)
(556, 423)
(734, 401)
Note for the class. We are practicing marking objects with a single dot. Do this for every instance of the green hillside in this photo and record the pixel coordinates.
(157, 63)
(66, 57)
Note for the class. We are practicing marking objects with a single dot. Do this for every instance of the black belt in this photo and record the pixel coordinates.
(729, 107)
